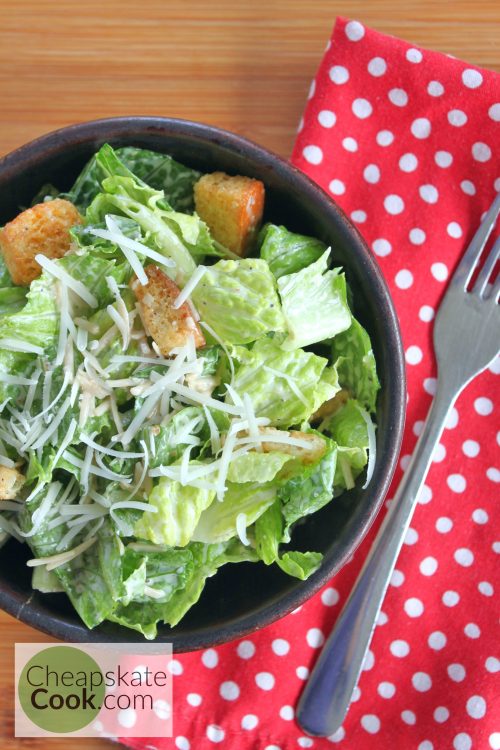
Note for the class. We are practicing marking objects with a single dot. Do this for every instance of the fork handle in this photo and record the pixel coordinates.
(327, 695)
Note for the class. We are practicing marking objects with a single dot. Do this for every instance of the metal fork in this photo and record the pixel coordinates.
(466, 340)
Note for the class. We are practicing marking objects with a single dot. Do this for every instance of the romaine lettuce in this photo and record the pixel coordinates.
(287, 252)
(353, 354)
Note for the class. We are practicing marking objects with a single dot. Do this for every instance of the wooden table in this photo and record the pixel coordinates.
(245, 66)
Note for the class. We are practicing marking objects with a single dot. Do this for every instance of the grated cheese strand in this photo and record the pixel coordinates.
(54, 561)
(56, 270)
(189, 287)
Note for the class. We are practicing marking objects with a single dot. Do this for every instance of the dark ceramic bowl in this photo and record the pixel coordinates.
(243, 597)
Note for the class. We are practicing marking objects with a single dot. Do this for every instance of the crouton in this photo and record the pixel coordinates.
(315, 451)
(168, 327)
(41, 229)
(11, 482)
(232, 207)
(330, 407)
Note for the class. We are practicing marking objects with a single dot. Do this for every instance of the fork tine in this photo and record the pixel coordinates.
(470, 259)
(489, 265)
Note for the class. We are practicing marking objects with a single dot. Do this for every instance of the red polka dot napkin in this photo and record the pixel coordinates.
(404, 139)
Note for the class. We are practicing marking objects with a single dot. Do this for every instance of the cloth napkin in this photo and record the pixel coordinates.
(404, 140)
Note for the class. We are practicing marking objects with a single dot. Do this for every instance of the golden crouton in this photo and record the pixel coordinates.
(232, 207)
(11, 482)
(315, 451)
(330, 407)
(168, 327)
(41, 229)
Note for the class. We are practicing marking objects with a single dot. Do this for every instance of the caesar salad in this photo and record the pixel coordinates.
(180, 385)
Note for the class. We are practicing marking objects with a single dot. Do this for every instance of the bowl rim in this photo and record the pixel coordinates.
(94, 132)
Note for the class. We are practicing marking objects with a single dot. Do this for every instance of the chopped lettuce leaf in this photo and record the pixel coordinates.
(287, 387)
(5, 278)
(12, 299)
(256, 467)
(288, 252)
(348, 428)
(218, 522)
(314, 304)
(238, 299)
(352, 351)
(178, 511)
(300, 564)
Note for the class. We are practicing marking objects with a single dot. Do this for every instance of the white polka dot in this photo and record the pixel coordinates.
(426, 313)
(451, 419)
(417, 236)
(413, 55)
(404, 279)
(280, 646)
(265, 680)
(435, 88)
(462, 741)
(312, 89)
(444, 525)
(450, 598)
(329, 597)
(229, 691)
(472, 78)
(377, 66)
(496, 547)
(182, 743)
(249, 722)
(481, 152)
(441, 714)
(418, 427)
(439, 271)
(300, 125)
(287, 713)
(338, 736)
(245, 650)
(421, 682)
(337, 187)
(437, 640)
(368, 661)
(272, 747)
(456, 483)
(496, 184)
(413, 607)
(485, 588)
(302, 673)
(359, 217)
(312, 154)
(162, 709)
(210, 658)
(215, 733)
(480, 516)
(405, 462)
(472, 630)
(457, 118)
(443, 159)
(409, 717)
(382, 619)
(454, 230)
(483, 406)
(381, 247)
(476, 707)
(356, 695)
(354, 31)
(339, 74)
(494, 740)
(386, 689)
(471, 448)
(414, 355)
(362, 108)
(411, 537)
(425, 745)
(194, 699)
(495, 365)
(399, 648)
(421, 127)
(456, 672)
(397, 578)
(326, 118)
(428, 193)
(315, 638)
(468, 187)
(492, 664)
(464, 557)
(371, 173)
(398, 97)
(494, 112)
(350, 144)
(385, 138)
(175, 667)
(493, 474)
(370, 723)
(428, 566)
(439, 453)
(127, 718)
(408, 163)
(305, 742)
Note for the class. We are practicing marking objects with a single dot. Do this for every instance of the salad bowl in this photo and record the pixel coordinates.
(240, 598)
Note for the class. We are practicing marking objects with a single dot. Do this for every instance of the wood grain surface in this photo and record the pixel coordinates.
(245, 66)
